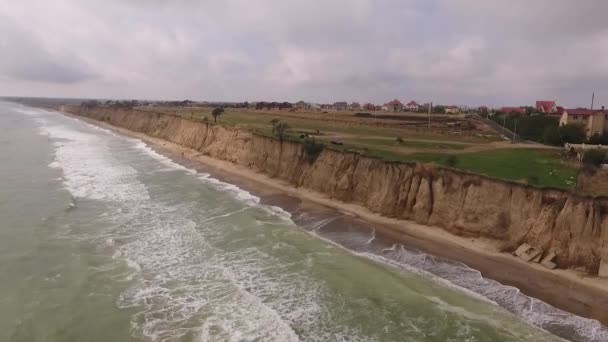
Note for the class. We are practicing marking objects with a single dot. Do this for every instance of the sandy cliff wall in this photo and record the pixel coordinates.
(575, 227)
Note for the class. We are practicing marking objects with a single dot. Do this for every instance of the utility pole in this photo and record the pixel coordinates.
(592, 99)
(504, 122)
(430, 108)
(515, 131)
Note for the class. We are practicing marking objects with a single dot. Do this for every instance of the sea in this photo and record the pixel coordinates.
(102, 238)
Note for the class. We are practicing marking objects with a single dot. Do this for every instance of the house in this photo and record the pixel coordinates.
(355, 106)
(594, 121)
(546, 106)
(326, 106)
(412, 106)
(393, 106)
(369, 106)
(340, 105)
(378, 108)
(452, 110)
(516, 110)
(301, 105)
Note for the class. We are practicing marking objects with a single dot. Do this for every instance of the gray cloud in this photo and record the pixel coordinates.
(462, 52)
(25, 58)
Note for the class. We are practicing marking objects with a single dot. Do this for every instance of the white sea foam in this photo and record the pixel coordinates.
(229, 296)
(164, 160)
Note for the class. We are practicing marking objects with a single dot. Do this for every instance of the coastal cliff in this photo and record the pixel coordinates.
(575, 227)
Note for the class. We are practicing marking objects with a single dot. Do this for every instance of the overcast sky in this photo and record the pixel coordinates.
(466, 52)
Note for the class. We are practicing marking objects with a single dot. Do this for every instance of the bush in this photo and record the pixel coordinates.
(572, 133)
(533, 180)
(597, 139)
(312, 149)
(399, 140)
(551, 136)
(451, 161)
(594, 157)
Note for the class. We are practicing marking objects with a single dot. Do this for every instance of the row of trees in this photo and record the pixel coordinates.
(273, 105)
(544, 129)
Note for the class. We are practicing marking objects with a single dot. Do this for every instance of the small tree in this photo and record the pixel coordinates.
(451, 161)
(551, 136)
(274, 123)
(280, 130)
(217, 112)
(312, 149)
(594, 157)
(439, 109)
(572, 133)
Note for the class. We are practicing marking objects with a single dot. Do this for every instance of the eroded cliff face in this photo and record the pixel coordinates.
(575, 227)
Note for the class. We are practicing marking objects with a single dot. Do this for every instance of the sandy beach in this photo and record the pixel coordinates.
(568, 290)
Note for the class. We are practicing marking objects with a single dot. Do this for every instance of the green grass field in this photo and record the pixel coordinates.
(534, 166)
(410, 143)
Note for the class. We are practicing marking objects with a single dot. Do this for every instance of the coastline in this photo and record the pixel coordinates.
(565, 289)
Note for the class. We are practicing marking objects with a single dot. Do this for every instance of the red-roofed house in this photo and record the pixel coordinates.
(546, 106)
(412, 106)
(452, 109)
(594, 121)
(394, 105)
(369, 106)
(509, 110)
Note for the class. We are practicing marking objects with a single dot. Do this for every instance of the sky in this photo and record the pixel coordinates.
(462, 52)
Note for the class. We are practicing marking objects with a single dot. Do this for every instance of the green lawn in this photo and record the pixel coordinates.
(410, 143)
(534, 166)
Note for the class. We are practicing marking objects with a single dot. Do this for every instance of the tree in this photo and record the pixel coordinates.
(312, 149)
(217, 112)
(597, 139)
(438, 109)
(551, 136)
(274, 123)
(451, 161)
(572, 133)
(280, 129)
(594, 157)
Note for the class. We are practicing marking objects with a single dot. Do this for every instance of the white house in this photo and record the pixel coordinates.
(412, 106)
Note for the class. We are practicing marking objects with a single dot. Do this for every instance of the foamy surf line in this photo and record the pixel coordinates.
(469, 281)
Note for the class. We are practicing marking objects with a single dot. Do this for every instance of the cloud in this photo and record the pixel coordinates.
(463, 52)
(25, 58)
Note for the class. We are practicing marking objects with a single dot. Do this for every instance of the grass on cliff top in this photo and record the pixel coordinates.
(533, 166)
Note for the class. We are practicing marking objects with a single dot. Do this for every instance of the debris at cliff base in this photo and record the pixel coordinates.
(528, 253)
(603, 271)
(548, 261)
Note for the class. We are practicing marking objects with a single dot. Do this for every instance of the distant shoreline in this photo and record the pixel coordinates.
(568, 290)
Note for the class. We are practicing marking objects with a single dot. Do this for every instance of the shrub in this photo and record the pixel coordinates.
(399, 140)
(572, 133)
(451, 161)
(597, 139)
(312, 149)
(594, 157)
(551, 136)
(533, 180)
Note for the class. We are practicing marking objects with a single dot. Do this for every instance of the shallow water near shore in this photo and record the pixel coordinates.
(103, 239)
